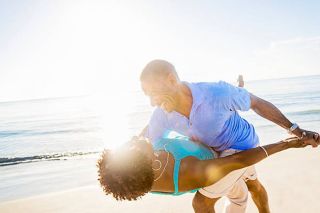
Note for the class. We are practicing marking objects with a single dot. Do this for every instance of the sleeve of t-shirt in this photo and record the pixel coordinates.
(237, 98)
(156, 127)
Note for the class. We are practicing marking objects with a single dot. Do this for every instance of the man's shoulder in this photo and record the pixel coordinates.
(211, 86)
(213, 89)
(158, 112)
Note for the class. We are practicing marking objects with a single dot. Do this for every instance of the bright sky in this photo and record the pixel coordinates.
(62, 48)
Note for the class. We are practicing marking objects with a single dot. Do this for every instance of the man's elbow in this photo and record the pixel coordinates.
(254, 101)
(257, 104)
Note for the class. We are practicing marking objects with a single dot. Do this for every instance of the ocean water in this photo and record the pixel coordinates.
(50, 145)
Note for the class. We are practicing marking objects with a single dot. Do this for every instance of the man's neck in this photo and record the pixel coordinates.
(185, 100)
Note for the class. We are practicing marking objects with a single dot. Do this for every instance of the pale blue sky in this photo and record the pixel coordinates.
(62, 48)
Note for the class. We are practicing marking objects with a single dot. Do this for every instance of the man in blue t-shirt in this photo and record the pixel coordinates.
(207, 112)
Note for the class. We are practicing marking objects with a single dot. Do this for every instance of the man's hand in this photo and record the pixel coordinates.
(143, 132)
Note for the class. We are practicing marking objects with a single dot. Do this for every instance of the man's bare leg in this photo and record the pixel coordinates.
(203, 204)
(259, 195)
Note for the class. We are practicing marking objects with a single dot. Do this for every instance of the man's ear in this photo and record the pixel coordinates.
(172, 79)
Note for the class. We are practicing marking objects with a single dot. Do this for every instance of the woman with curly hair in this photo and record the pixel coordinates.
(175, 166)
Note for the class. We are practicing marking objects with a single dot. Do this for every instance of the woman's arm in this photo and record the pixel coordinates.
(209, 172)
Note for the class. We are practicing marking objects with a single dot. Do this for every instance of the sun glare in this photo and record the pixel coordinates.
(113, 112)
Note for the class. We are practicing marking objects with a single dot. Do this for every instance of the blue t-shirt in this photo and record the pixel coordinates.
(213, 119)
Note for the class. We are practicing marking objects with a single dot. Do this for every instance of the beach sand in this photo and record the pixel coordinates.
(292, 179)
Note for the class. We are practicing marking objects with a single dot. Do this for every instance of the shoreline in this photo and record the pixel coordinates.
(291, 179)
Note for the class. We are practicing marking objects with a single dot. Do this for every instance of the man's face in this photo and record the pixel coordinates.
(161, 93)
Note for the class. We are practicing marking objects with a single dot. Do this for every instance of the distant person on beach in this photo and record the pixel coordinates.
(240, 81)
(177, 165)
(207, 112)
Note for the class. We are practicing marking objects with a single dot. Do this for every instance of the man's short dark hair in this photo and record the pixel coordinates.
(127, 176)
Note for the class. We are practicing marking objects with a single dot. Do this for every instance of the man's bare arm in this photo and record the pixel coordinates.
(267, 110)
(142, 133)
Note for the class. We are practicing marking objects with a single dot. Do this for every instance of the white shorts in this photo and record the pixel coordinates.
(224, 186)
